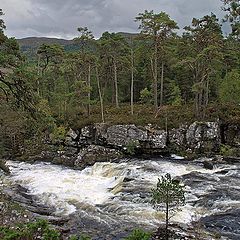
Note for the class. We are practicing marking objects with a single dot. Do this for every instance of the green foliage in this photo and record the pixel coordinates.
(73, 237)
(230, 88)
(131, 147)
(226, 150)
(232, 7)
(30, 231)
(174, 97)
(145, 95)
(139, 234)
(83, 237)
(58, 134)
(168, 191)
(167, 196)
(156, 23)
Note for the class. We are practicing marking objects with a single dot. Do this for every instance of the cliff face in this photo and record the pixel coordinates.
(198, 137)
(102, 142)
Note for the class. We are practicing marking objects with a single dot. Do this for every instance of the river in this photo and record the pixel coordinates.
(110, 199)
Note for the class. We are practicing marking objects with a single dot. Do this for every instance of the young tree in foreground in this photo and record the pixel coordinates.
(167, 196)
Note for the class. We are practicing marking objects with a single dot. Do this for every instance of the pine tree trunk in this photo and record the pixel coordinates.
(200, 104)
(167, 219)
(116, 83)
(100, 94)
(89, 87)
(38, 73)
(132, 80)
(155, 85)
(206, 97)
(161, 96)
(197, 105)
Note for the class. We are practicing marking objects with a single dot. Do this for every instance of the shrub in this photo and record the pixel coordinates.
(83, 237)
(31, 231)
(58, 134)
(145, 96)
(226, 150)
(139, 234)
(131, 147)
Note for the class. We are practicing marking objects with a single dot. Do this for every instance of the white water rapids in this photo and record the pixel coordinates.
(101, 194)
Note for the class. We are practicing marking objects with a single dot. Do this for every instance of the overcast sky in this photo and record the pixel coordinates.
(60, 18)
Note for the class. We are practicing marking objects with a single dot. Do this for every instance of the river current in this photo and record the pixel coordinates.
(109, 199)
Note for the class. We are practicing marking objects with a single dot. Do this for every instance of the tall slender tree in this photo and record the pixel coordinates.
(202, 43)
(85, 39)
(113, 48)
(157, 28)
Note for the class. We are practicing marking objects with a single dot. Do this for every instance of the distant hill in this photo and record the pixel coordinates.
(30, 45)
(37, 41)
(129, 35)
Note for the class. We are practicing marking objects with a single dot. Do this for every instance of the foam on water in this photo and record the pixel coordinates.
(70, 190)
(59, 186)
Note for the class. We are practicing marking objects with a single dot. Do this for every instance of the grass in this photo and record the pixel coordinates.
(170, 116)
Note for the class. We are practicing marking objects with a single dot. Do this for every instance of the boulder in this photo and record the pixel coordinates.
(177, 137)
(72, 134)
(93, 153)
(86, 136)
(4, 167)
(66, 157)
(157, 139)
(70, 142)
(44, 156)
(122, 135)
(208, 165)
(232, 135)
(203, 136)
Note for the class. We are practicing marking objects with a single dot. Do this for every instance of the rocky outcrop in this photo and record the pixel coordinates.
(231, 135)
(177, 138)
(198, 137)
(121, 136)
(103, 142)
(203, 136)
(94, 153)
(66, 156)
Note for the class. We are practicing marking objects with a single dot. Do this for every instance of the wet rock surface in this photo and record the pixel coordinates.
(4, 167)
(227, 223)
(20, 194)
(11, 212)
(218, 194)
(90, 155)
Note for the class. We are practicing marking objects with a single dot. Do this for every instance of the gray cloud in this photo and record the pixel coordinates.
(60, 18)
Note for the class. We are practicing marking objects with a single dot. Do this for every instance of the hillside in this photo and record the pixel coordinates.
(30, 45)
(37, 41)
